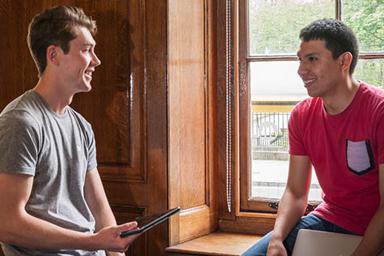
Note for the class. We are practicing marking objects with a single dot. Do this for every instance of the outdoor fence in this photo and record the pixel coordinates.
(269, 130)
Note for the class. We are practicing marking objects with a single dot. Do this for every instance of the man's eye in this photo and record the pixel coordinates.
(312, 59)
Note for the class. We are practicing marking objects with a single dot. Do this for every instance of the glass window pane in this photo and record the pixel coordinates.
(370, 71)
(274, 26)
(275, 89)
(366, 20)
(276, 80)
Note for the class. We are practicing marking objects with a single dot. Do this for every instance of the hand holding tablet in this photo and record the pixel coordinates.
(146, 223)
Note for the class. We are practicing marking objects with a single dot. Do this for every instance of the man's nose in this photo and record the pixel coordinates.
(96, 61)
(302, 70)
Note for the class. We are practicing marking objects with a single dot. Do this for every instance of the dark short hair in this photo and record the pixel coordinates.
(54, 26)
(338, 37)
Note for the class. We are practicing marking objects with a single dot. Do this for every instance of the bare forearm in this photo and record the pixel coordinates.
(17, 227)
(97, 201)
(104, 217)
(27, 231)
(291, 209)
(30, 232)
(373, 240)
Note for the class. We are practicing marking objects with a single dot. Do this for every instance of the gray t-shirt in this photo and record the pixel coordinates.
(57, 150)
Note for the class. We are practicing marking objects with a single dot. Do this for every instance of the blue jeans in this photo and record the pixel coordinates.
(308, 222)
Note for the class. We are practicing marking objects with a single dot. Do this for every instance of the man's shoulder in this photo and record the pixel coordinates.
(372, 98)
(307, 105)
(372, 91)
(23, 107)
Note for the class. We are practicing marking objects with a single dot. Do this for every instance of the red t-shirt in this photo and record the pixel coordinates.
(346, 150)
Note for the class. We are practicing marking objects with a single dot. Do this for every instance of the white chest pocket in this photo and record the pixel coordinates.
(360, 157)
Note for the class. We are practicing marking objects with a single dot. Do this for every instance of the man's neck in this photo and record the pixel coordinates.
(51, 92)
(341, 97)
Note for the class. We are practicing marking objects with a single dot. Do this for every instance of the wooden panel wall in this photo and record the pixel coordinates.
(127, 106)
(191, 115)
(17, 70)
(155, 137)
(187, 124)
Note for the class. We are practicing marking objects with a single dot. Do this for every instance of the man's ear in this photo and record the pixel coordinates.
(52, 54)
(345, 61)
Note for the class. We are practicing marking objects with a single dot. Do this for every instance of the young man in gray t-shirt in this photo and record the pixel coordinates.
(52, 198)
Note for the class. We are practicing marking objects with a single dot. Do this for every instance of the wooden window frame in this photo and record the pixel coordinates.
(247, 203)
(240, 212)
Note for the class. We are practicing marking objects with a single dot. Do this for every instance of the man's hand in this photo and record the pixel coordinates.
(276, 248)
(108, 233)
(115, 254)
(109, 238)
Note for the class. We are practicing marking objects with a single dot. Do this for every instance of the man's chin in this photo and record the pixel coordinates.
(86, 88)
(311, 93)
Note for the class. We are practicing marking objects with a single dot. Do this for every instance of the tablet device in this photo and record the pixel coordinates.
(146, 223)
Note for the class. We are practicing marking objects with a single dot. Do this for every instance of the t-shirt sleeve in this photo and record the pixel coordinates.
(91, 146)
(380, 138)
(295, 137)
(19, 136)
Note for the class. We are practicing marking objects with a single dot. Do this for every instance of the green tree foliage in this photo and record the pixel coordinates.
(274, 26)
(366, 19)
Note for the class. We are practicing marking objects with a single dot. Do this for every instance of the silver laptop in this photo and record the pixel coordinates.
(320, 243)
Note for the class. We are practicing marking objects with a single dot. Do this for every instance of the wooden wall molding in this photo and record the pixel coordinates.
(191, 85)
(120, 89)
(127, 106)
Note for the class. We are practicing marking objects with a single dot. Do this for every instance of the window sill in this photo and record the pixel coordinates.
(218, 243)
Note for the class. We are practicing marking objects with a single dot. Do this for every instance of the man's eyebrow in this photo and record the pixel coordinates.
(89, 44)
(308, 55)
(312, 53)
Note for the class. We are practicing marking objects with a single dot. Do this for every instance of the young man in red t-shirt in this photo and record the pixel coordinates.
(339, 131)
